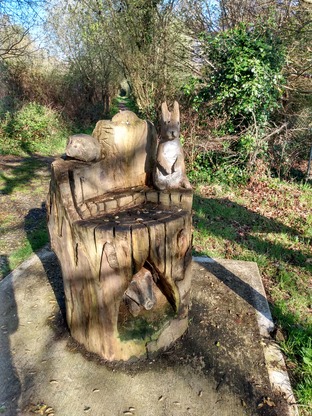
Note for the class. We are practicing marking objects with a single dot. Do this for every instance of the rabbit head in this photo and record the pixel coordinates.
(170, 122)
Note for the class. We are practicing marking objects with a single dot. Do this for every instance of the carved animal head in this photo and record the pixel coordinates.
(170, 122)
(83, 147)
(140, 292)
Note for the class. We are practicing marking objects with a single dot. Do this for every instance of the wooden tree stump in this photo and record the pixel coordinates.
(125, 255)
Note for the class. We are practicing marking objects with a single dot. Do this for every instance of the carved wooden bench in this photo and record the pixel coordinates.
(123, 245)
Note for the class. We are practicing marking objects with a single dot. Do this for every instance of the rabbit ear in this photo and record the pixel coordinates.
(175, 115)
(165, 115)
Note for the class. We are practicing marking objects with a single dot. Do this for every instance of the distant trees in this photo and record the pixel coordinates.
(16, 18)
(17, 51)
(140, 40)
(92, 76)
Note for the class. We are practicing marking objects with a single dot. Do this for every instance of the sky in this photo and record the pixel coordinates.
(29, 14)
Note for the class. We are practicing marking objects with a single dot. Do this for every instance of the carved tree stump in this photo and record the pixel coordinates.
(125, 257)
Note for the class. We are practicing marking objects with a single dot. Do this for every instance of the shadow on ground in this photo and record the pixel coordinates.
(52, 270)
(10, 385)
(238, 227)
(19, 171)
(223, 218)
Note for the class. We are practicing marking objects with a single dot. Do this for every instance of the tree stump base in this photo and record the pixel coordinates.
(124, 247)
(126, 265)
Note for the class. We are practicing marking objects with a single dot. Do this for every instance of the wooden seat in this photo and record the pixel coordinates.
(124, 246)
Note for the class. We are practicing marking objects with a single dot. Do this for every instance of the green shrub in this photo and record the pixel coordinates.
(34, 128)
(243, 81)
(238, 91)
(216, 166)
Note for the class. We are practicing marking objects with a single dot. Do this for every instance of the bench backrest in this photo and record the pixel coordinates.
(128, 153)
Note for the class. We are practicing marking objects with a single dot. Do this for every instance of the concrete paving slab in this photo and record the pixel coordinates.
(225, 365)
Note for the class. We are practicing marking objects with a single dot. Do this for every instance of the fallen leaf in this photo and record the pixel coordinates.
(269, 402)
(42, 409)
(53, 382)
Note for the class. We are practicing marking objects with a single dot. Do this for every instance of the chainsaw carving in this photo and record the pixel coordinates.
(124, 246)
(140, 293)
(83, 147)
(170, 167)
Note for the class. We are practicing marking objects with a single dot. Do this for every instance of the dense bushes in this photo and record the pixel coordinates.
(241, 86)
(245, 81)
(33, 128)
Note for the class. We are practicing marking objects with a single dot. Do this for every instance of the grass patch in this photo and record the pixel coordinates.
(269, 222)
(122, 102)
(29, 244)
(32, 129)
(20, 177)
(39, 239)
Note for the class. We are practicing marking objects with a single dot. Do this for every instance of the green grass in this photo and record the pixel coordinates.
(268, 222)
(125, 101)
(38, 239)
(44, 148)
(29, 243)
(32, 129)
(20, 177)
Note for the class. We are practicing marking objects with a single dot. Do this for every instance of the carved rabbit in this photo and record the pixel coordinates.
(170, 167)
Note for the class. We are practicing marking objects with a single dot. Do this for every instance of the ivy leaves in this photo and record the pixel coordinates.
(240, 87)
(244, 80)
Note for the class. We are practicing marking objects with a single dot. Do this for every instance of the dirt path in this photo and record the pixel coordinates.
(24, 184)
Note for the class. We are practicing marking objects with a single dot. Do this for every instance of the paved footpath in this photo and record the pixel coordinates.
(225, 365)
